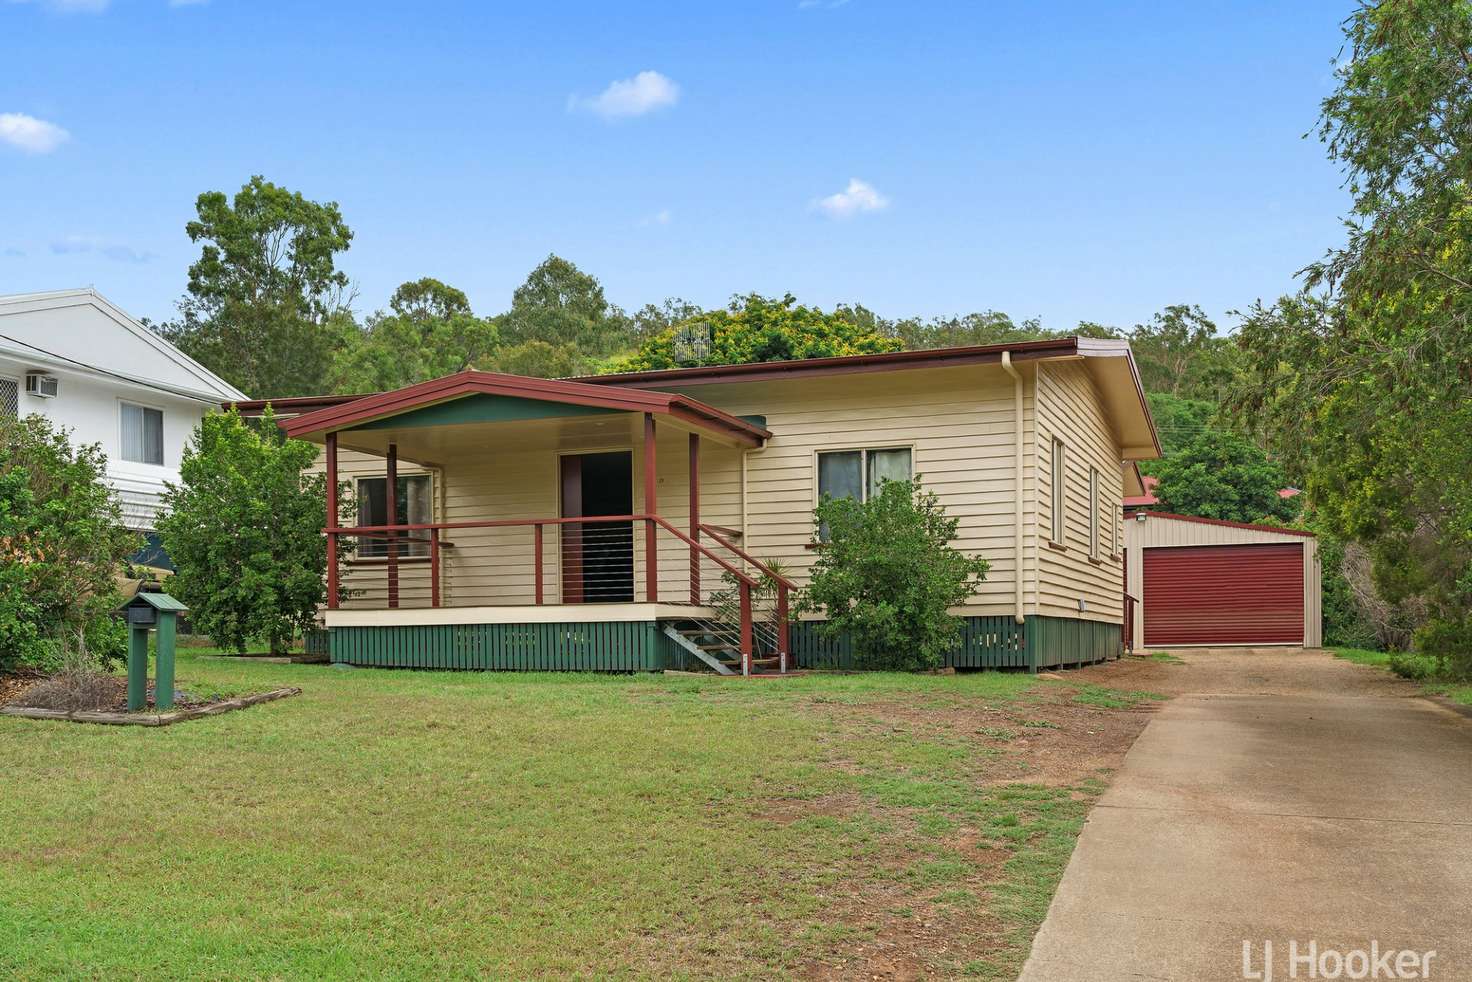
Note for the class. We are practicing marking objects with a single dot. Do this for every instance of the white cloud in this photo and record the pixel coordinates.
(644, 93)
(31, 134)
(74, 244)
(661, 217)
(858, 197)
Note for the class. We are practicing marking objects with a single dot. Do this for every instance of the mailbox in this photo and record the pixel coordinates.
(144, 612)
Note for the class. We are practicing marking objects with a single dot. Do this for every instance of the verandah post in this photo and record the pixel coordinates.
(434, 567)
(537, 549)
(782, 629)
(332, 521)
(651, 508)
(746, 644)
(695, 517)
(392, 496)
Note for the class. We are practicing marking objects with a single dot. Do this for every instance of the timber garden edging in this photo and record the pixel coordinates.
(150, 719)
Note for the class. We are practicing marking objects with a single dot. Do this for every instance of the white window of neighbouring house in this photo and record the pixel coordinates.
(143, 434)
(1059, 492)
(858, 474)
(9, 397)
(414, 508)
(1094, 512)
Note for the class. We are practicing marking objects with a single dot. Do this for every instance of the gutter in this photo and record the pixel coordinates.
(1017, 557)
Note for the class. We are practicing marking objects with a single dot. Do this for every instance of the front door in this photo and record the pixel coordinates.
(597, 557)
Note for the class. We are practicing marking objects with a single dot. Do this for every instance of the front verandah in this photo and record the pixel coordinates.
(549, 518)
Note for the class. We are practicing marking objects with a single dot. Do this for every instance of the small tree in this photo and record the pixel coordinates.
(62, 542)
(757, 329)
(887, 575)
(1220, 475)
(245, 532)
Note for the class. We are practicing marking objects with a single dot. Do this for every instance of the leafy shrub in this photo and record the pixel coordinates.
(245, 532)
(887, 575)
(1409, 666)
(1449, 642)
(61, 543)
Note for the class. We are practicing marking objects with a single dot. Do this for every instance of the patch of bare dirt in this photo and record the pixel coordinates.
(909, 931)
(1247, 671)
(12, 684)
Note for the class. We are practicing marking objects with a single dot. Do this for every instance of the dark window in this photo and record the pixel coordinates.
(859, 473)
(414, 508)
(1094, 512)
(1058, 475)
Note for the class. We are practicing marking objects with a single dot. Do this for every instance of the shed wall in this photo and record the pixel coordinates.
(1159, 531)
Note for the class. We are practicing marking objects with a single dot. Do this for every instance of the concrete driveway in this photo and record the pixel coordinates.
(1282, 796)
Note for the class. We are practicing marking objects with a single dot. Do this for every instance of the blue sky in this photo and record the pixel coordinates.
(1067, 160)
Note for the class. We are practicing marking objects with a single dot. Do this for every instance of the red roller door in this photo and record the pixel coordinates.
(1224, 595)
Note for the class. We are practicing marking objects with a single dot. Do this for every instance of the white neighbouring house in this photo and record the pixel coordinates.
(73, 357)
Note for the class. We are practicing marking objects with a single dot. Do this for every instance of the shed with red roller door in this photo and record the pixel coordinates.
(1206, 582)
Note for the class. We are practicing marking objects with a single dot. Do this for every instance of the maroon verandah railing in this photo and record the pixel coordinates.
(587, 528)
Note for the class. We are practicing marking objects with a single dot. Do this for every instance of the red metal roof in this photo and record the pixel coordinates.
(346, 414)
(840, 364)
(1146, 499)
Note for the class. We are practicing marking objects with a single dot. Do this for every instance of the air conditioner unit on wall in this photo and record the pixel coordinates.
(41, 385)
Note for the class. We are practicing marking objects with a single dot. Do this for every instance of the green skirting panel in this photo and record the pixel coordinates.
(986, 642)
(1056, 641)
(604, 646)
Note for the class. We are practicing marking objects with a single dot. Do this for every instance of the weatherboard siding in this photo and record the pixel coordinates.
(1070, 409)
(959, 423)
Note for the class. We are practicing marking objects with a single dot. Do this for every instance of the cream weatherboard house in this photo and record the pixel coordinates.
(74, 357)
(633, 522)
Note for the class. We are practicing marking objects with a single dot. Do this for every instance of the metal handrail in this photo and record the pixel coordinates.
(715, 533)
(491, 523)
(749, 581)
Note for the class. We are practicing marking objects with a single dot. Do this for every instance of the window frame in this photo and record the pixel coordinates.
(407, 553)
(163, 454)
(863, 453)
(1058, 493)
(1096, 537)
(19, 391)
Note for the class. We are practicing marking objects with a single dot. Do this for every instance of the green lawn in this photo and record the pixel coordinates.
(1460, 692)
(410, 824)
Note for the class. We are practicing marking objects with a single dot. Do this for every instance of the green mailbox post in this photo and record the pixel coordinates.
(145, 612)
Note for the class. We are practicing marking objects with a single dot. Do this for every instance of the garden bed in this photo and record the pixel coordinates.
(105, 700)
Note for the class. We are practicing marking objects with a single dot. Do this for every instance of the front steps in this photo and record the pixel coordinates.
(718, 646)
